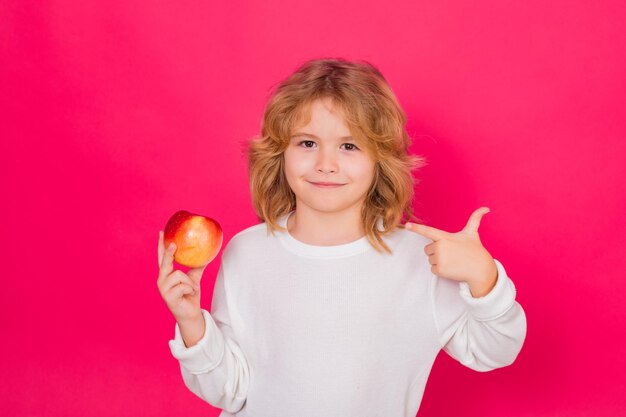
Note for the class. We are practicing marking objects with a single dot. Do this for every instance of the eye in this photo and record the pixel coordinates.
(306, 143)
(351, 147)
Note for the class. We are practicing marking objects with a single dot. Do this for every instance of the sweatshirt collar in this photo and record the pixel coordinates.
(313, 251)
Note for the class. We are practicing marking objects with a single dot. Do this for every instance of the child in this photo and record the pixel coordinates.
(330, 307)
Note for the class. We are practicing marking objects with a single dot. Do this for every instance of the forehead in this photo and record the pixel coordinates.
(323, 114)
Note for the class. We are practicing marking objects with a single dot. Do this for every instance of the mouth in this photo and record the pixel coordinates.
(326, 184)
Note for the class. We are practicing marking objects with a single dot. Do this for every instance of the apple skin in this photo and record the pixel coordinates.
(198, 238)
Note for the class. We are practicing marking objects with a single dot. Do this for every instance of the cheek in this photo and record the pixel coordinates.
(296, 163)
(293, 166)
(364, 170)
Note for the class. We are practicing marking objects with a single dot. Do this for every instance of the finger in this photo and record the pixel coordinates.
(430, 232)
(431, 259)
(182, 289)
(167, 263)
(161, 249)
(177, 278)
(474, 220)
(429, 249)
(196, 273)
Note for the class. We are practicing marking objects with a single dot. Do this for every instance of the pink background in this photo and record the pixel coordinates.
(116, 114)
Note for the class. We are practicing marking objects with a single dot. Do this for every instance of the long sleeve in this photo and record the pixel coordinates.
(216, 368)
(482, 333)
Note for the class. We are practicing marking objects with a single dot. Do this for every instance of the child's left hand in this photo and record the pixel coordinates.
(460, 256)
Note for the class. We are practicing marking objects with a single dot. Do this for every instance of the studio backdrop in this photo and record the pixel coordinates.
(114, 115)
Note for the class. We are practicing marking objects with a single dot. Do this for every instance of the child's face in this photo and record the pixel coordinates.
(328, 157)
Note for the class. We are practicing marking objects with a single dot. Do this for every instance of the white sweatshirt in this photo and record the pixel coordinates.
(297, 330)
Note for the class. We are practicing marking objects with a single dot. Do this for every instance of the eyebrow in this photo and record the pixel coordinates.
(310, 135)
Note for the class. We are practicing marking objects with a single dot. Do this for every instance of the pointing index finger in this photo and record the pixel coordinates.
(427, 231)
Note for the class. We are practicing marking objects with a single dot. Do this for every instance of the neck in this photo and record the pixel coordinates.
(325, 229)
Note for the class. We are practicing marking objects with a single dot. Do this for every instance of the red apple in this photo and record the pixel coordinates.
(198, 238)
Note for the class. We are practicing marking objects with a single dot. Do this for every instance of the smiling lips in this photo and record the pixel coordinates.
(326, 184)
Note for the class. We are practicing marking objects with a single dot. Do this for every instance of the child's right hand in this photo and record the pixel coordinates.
(180, 291)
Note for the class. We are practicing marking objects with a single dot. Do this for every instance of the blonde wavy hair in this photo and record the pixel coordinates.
(374, 117)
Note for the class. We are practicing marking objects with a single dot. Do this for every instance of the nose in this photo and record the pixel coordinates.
(327, 162)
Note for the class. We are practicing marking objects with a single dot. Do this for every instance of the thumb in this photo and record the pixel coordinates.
(196, 273)
(474, 220)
